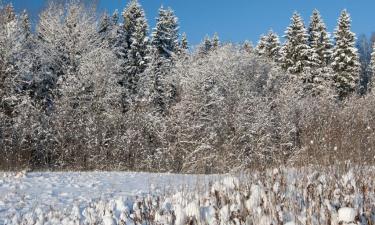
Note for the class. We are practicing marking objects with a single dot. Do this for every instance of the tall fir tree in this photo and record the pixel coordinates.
(295, 54)
(165, 47)
(345, 62)
(319, 39)
(320, 75)
(165, 34)
(364, 51)
(133, 49)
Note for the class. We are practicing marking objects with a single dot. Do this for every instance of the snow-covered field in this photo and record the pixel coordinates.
(22, 194)
(279, 196)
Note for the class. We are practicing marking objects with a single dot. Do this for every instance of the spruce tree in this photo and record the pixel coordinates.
(165, 46)
(345, 62)
(165, 34)
(215, 41)
(132, 49)
(364, 51)
(248, 46)
(296, 55)
(320, 74)
(206, 46)
(260, 49)
(184, 42)
(269, 46)
(319, 39)
(104, 24)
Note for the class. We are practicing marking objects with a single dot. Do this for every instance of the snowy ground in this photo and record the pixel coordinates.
(290, 196)
(21, 194)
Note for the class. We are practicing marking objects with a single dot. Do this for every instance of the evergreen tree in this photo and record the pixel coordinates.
(248, 46)
(260, 49)
(215, 41)
(269, 46)
(132, 49)
(319, 39)
(364, 51)
(319, 75)
(296, 55)
(206, 46)
(345, 57)
(105, 23)
(115, 17)
(184, 42)
(165, 46)
(165, 34)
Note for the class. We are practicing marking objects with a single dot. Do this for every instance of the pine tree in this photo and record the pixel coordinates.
(105, 23)
(269, 46)
(115, 17)
(364, 51)
(184, 42)
(165, 34)
(319, 39)
(206, 46)
(215, 41)
(132, 49)
(260, 49)
(320, 73)
(345, 58)
(165, 46)
(296, 55)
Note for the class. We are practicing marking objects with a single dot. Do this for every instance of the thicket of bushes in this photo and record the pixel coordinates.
(234, 110)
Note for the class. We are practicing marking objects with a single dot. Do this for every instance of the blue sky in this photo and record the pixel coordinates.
(238, 20)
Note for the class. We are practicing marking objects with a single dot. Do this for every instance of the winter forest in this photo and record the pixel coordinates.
(83, 92)
(107, 120)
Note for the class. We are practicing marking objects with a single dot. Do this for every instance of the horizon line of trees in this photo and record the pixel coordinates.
(86, 93)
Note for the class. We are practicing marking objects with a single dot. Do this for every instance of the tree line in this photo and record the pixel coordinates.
(78, 92)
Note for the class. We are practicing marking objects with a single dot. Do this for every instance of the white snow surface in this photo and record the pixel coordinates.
(288, 194)
(347, 215)
(60, 191)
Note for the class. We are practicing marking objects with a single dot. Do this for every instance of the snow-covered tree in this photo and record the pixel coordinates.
(105, 23)
(248, 46)
(14, 54)
(295, 54)
(165, 34)
(206, 46)
(184, 42)
(319, 75)
(215, 41)
(165, 48)
(269, 46)
(261, 46)
(364, 51)
(134, 49)
(319, 39)
(345, 60)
